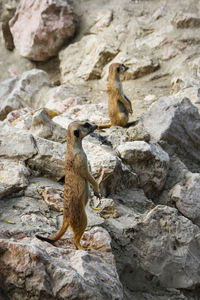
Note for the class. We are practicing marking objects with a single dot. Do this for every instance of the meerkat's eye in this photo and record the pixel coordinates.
(86, 125)
(76, 132)
(118, 69)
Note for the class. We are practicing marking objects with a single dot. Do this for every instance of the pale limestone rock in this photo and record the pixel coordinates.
(106, 208)
(103, 19)
(167, 245)
(149, 161)
(13, 176)
(80, 274)
(40, 28)
(186, 20)
(53, 197)
(50, 158)
(21, 91)
(112, 174)
(186, 197)
(89, 56)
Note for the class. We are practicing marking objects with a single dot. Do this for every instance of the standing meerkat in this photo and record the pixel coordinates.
(119, 106)
(76, 189)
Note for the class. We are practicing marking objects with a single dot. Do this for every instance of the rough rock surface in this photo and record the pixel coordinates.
(48, 272)
(166, 241)
(175, 121)
(148, 161)
(186, 197)
(20, 91)
(40, 28)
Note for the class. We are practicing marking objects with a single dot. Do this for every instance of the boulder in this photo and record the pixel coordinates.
(186, 20)
(167, 246)
(85, 60)
(177, 122)
(149, 161)
(21, 91)
(50, 272)
(112, 174)
(186, 197)
(50, 158)
(103, 20)
(40, 29)
(13, 177)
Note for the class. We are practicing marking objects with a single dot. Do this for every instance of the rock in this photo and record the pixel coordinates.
(107, 167)
(166, 241)
(96, 113)
(186, 20)
(138, 67)
(50, 158)
(50, 24)
(85, 60)
(114, 136)
(138, 133)
(13, 147)
(80, 274)
(13, 177)
(186, 197)
(148, 161)
(21, 91)
(179, 125)
(103, 19)
(60, 106)
(8, 39)
(16, 114)
(106, 208)
(149, 99)
(44, 127)
(53, 197)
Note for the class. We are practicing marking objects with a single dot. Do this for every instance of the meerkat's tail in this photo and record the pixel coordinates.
(103, 126)
(55, 237)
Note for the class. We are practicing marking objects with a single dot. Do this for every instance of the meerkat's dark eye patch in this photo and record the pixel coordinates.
(76, 132)
(118, 69)
(86, 125)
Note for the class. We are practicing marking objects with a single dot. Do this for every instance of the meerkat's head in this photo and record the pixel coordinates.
(116, 69)
(77, 130)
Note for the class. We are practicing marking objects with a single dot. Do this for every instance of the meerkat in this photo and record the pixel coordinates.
(76, 189)
(119, 106)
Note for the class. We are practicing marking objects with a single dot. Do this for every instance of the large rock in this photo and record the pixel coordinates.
(186, 197)
(48, 272)
(86, 59)
(40, 29)
(177, 122)
(13, 177)
(149, 161)
(167, 245)
(21, 91)
(112, 174)
(186, 20)
(50, 158)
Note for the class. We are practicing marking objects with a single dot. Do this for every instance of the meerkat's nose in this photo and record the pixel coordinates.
(126, 68)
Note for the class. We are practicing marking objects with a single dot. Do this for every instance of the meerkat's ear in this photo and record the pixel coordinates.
(76, 132)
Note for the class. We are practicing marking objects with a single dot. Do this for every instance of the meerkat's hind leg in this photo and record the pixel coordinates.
(78, 232)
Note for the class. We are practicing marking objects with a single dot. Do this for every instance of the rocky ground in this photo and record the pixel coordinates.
(143, 235)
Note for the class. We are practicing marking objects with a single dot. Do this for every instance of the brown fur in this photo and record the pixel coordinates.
(119, 106)
(76, 189)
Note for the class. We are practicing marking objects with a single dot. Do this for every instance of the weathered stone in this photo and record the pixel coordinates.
(106, 207)
(50, 158)
(115, 135)
(166, 241)
(19, 145)
(103, 19)
(186, 197)
(55, 272)
(96, 113)
(13, 177)
(53, 197)
(85, 59)
(186, 20)
(138, 133)
(148, 161)
(61, 106)
(178, 125)
(50, 24)
(44, 127)
(20, 91)
(8, 39)
(107, 167)
(16, 114)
